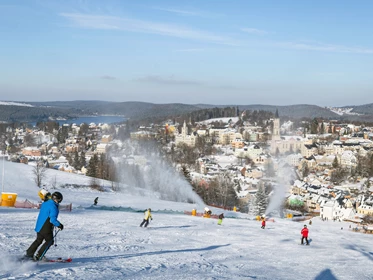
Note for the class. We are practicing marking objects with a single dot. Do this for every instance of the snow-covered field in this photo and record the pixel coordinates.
(108, 244)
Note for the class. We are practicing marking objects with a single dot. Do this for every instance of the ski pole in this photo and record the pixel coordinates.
(55, 238)
(49, 244)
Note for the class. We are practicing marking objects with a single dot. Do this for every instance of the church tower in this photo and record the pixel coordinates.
(276, 127)
(184, 130)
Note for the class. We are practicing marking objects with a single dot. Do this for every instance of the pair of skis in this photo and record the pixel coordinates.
(47, 260)
(58, 260)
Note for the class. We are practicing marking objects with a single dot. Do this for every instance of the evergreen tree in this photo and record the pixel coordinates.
(76, 162)
(121, 133)
(186, 174)
(330, 130)
(305, 170)
(127, 130)
(69, 159)
(314, 126)
(335, 163)
(92, 166)
(83, 129)
(261, 200)
(237, 186)
(370, 166)
(322, 128)
(82, 159)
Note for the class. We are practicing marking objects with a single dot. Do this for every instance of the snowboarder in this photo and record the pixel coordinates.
(304, 233)
(263, 223)
(220, 220)
(148, 215)
(95, 201)
(47, 219)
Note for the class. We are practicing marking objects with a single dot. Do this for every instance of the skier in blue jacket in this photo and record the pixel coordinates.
(45, 223)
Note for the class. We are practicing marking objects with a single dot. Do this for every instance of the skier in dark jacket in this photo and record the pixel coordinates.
(47, 219)
(95, 201)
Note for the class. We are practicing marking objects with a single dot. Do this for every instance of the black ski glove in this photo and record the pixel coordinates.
(60, 226)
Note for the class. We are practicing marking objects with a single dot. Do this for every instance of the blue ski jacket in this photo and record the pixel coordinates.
(48, 209)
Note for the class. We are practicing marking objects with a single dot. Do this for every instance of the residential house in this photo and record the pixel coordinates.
(365, 209)
(101, 148)
(106, 138)
(294, 159)
(31, 151)
(332, 210)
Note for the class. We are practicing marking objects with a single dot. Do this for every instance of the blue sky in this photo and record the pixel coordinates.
(197, 51)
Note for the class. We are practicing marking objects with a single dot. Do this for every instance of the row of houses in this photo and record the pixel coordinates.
(331, 203)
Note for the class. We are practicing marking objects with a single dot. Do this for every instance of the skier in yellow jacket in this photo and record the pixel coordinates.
(148, 215)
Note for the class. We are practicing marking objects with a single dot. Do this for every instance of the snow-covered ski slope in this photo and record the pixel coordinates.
(108, 244)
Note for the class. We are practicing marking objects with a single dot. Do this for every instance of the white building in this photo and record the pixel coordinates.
(184, 137)
(331, 210)
(251, 151)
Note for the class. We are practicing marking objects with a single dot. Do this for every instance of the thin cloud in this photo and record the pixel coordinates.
(155, 79)
(184, 12)
(178, 11)
(254, 31)
(140, 26)
(167, 80)
(325, 48)
(108, 77)
(190, 50)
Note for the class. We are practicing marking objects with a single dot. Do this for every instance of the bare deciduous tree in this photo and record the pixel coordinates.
(29, 140)
(54, 182)
(39, 173)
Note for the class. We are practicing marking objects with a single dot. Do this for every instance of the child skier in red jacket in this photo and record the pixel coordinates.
(304, 233)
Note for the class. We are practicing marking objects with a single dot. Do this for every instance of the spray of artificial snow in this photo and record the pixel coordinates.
(154, 176)
(283, 177)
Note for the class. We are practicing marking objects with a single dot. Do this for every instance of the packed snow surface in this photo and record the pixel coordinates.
(106, 242)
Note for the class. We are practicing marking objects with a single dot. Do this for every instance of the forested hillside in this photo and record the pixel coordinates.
(142, 110)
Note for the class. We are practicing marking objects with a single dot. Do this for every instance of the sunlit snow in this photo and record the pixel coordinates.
(106, 243)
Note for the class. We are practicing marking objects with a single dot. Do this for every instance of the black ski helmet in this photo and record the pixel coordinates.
(57, 196)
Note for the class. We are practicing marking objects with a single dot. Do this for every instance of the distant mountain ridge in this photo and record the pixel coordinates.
(37, 111)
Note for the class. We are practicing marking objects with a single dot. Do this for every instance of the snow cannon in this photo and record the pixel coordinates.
(207, 213)
(43, 194)
(8, 199)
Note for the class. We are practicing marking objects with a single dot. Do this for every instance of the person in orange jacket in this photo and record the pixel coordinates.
(304, 233)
